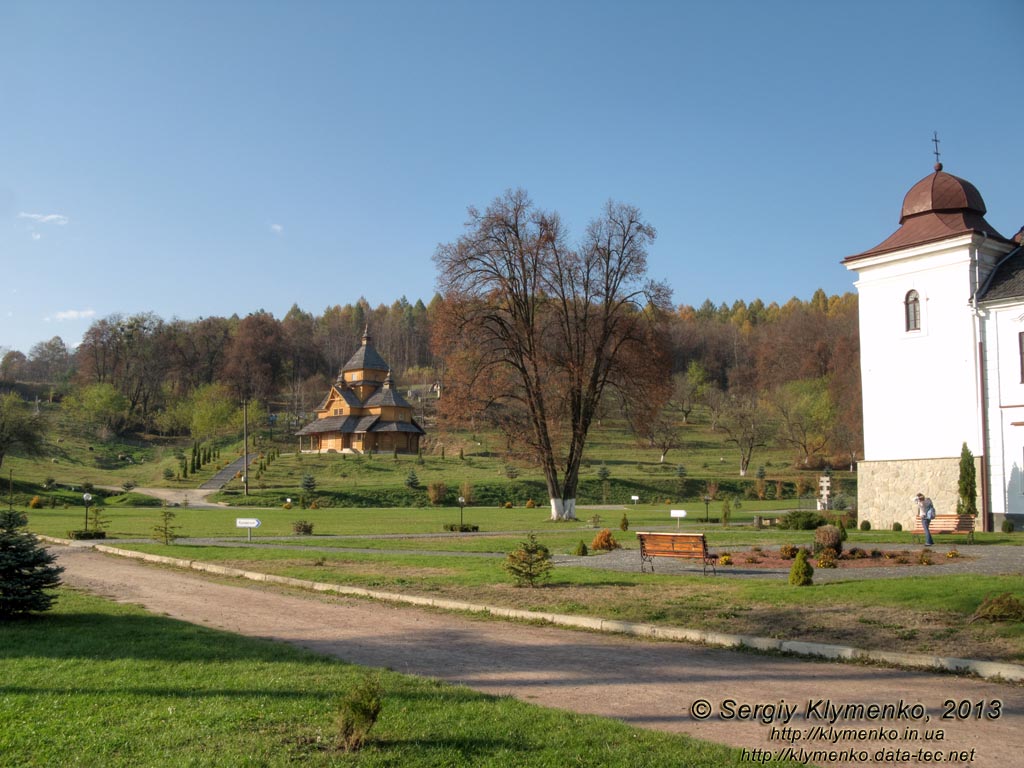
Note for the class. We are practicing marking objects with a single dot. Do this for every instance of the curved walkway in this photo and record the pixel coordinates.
(663, 686)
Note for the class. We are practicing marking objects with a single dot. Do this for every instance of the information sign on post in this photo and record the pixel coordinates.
(635, 499)
(678, 514)
(248, 523)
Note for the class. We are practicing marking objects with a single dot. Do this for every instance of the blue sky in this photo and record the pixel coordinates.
(209, 158)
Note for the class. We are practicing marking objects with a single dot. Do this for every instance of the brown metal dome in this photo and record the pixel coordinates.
(941, 193)
(939, 206)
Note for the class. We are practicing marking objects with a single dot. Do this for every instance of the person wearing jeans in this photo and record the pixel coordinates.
(926, 511)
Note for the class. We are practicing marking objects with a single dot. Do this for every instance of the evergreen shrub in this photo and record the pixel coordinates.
(801, 574)
(27, 570)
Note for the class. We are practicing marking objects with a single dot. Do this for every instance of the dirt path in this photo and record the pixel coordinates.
(649, 684)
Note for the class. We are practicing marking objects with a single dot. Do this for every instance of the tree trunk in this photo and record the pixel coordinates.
(563, 509)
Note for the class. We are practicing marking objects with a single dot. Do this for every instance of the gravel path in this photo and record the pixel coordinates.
(993, 560)
(649, 684)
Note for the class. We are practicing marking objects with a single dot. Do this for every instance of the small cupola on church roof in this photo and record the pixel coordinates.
(388, 395)
(937, 207)
(366, 357)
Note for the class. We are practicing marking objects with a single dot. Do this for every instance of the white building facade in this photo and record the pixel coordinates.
(942, 358)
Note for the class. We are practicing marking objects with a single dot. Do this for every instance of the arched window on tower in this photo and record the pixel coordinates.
(912, 309)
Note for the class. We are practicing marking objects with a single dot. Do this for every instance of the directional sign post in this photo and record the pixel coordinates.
(678, 514)
(248, 523)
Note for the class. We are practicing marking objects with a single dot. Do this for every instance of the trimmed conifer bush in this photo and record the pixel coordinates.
(801, 574)
(27, 570)
(604, 541)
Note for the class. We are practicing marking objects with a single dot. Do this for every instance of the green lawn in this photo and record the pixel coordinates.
(94, 683)
(129, 522)
(918, 613)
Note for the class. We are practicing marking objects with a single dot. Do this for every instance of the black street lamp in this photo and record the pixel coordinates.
(707, 508)
(86, 498)
(462, 503)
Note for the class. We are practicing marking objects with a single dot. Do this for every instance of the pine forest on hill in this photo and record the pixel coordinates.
(768, 392)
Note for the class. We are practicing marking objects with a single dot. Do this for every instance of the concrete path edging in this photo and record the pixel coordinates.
(989, 670)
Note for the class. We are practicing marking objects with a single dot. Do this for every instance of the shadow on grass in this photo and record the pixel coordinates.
(105, 637)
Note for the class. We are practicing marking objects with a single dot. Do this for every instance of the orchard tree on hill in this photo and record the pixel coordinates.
(534, 331)
(19, 428)
(746, 424)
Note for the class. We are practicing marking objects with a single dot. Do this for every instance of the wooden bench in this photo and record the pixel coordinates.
(691, 546)
(946, 524)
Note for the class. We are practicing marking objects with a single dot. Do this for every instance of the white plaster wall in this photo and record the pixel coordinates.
(1005, 410)
(919, 387)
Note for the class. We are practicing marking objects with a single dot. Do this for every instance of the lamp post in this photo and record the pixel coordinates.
(462, 503)
(86, 498)
(707, 508)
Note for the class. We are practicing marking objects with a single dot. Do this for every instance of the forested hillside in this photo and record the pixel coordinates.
(784, 374)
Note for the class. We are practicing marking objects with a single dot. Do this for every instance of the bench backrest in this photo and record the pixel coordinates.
(947, 524)
(673, 543)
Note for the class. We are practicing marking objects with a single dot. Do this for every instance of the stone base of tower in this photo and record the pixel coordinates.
(886, 489)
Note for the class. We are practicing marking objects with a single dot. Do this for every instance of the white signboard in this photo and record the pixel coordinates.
(247, 522)
(635, 498)
(678, 513)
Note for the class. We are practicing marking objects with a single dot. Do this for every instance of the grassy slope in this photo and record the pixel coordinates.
(94, 683)
(73, 459)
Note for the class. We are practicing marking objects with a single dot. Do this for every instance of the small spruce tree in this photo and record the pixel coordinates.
(358, 711)
(308, 484)
(165, 529)
(27, 570)
(529, 564)
(411, 480)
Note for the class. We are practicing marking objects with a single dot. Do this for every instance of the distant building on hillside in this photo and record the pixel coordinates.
(363, 411)
(942, 358)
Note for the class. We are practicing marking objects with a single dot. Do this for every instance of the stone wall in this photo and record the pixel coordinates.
(886, 489)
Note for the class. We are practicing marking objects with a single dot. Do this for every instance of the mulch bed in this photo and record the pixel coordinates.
(889, 558)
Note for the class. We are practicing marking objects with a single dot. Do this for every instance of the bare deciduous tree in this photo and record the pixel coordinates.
(745, 420)
(535, 331)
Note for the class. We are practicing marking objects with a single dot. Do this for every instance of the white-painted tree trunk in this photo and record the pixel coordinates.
(563, 509)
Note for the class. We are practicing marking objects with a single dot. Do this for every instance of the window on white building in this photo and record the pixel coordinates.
(912, 310)
(1020, 347)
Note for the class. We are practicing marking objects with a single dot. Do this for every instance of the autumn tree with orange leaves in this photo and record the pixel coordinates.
(535, 332)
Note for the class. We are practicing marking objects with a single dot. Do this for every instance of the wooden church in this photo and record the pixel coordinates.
(362, 412)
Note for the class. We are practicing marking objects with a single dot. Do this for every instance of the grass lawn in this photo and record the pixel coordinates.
(915, 613)
(95, 683)
(195, 522)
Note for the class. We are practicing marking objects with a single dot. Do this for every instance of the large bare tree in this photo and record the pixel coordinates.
(534, 330)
